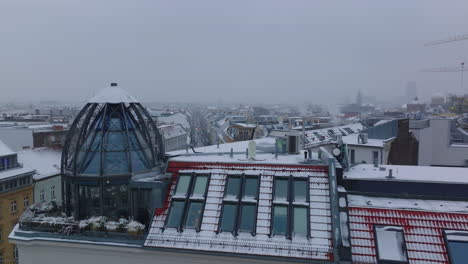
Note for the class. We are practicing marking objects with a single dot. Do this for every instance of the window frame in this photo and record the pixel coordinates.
(52, 192)
(386, 261)
(187, 201)
(447, 240)
(238, 203)
(13, 207)
(26, 201)
(290, 205)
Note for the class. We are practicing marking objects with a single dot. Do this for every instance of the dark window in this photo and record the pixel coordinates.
(375, 157)
(457, 245)
(239, 213)
(390, 244)
(280, 220)
(229, 217)
(457, 251)
(175, 217)
(290, 216)
(353, 156)
(188, 201)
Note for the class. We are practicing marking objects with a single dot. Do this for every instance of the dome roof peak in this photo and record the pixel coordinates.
(113, 95)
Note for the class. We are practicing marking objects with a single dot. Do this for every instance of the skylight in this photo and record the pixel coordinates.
(188, 201)
(290, 205)
(240, 205)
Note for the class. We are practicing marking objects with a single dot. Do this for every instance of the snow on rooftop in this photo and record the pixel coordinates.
(5, 150)
(318, 246)
(172, 131)
(45, 161)
(113, 95)
(409, 173)
(371, 142)
(221, 154)
(408, 204)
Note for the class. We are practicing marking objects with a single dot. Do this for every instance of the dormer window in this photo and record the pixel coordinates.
(290, 207)
(390, 244)
(457, 244)
(188, 201)
(240, 205)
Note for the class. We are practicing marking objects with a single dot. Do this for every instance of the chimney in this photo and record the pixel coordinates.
(390, 174)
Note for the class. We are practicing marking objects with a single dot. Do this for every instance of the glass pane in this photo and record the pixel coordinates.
(115, 141)
(300, 221)
(175, 214)
(115, 198)
(115, 163)
(228, 218)
(281, 189)
(183, 184)
(247, 223)
(390, 243)
(300, 190)
(251, 187)
(92, 163)
(200, 185)
(457, 252)
(232, 187)
(280, 220)
(89, 201)
(194, 215)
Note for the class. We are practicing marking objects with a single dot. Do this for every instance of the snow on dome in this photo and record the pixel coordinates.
(113, 95)
(5, 150)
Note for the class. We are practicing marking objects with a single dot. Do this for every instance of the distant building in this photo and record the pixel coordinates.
(416, 106)
(54, 138)
(240, 132)
(174, 136)
(47, 177)
(16, 193)
(441, 142)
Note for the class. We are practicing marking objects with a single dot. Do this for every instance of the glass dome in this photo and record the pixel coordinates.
(112, 140)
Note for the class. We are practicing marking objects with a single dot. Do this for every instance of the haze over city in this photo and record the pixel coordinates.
(229, 51)
(233, 132)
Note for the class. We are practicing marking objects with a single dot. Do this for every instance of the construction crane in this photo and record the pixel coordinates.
(460, 68)
(448, 40)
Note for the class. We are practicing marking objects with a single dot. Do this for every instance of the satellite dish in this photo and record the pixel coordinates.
(336, 152)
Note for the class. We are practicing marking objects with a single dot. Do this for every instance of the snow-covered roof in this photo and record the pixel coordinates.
(325, 134)
(381, 122)
(5, 150)
(317, 247)
(408, 173)
(45, 161)
(408, 204)
(172, 131)
(371, 142)
(245, 125)
(5, 174)
(222, 154)
(422, 222)
(177, 118)
(113, 95)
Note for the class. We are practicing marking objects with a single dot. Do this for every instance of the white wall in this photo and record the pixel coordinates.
(46, 185)
(435, 148)
(365, 154)
(46, 252)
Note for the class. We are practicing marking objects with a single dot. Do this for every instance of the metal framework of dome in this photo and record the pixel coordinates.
(112, 140)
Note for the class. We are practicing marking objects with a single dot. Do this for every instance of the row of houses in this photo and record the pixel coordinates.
(257, 201)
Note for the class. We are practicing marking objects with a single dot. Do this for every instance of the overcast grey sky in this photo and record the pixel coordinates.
(237, 50)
